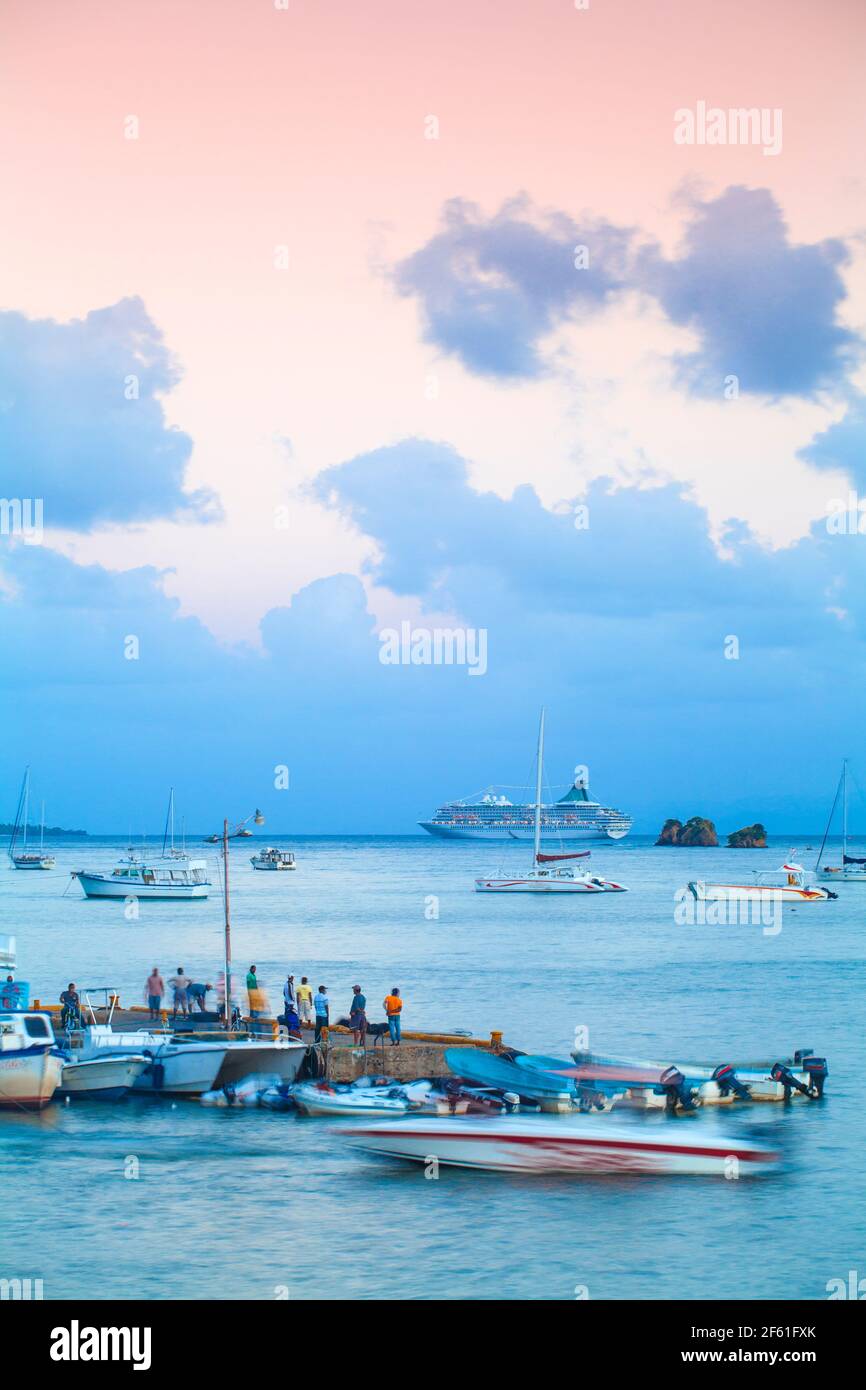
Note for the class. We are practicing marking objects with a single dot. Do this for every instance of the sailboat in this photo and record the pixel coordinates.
(549, 872)
(852, 869)
(25, 860)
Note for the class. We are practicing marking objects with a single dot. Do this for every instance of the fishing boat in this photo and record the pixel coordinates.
(273, 859)
(101, 1078)
(30, 1064)
(853, 867)
(25, 860)
(173, 1068)
(549, 873)
(518, 1144)
(170, 875)
(789, 884)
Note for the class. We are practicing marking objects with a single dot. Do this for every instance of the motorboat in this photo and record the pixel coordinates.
(789, 884)
(550, 873)
(279, 1057)
(173, 1067)
(275, 860)
(647, 1085)
(30, 1064)
(171, 875)
(539, 1088)
(325, 1098)
(518, 1144)
(101, 1078)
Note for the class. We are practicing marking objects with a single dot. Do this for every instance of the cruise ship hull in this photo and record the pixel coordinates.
(594, 834)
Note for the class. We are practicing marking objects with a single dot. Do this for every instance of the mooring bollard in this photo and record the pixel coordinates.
(496, 1041)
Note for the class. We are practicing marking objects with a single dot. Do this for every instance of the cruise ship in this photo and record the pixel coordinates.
(574, 816)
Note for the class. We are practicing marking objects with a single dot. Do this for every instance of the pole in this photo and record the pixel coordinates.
(538, 789)
(228, 951)
(844, 811)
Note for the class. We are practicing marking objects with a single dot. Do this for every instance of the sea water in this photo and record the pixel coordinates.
(156, 1198)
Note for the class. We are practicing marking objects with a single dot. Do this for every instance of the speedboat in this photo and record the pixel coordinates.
(280, 1058)
(273, 859)
(549, 874)
(324, 1098)
(789, 884)
(514, 1144)
(173, 1068)
(30, 1064)
(101, 1078)
(647, 1085)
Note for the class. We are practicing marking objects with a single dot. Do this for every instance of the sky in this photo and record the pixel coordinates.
(321, 319)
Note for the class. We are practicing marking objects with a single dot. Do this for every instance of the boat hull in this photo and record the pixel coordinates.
(315, 1100)
(29, 1078)
(37, 862)
(95, 886)
(518, 1145)
(557, 834)
(282, 1059)
(101, 1078)
(747, 892)
(529, 885)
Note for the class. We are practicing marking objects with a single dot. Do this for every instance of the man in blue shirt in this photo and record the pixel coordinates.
(322, 1006)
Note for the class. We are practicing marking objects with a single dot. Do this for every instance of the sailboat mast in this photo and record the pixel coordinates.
(228, 929)
(538, 777)
(42, 830)
(844, 810)
(26, 805)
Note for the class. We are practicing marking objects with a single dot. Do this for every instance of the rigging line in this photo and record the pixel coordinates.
(829, 822)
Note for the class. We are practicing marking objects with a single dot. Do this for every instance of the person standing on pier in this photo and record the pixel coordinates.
(154, 991)
(254, 992)
(289, 994)
(393, 1009)
(305, 1001)
(322, 1007)
(179, 984)
(358, 1016)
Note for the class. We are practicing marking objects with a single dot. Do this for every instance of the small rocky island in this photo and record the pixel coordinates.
(696, 831)
(750, 837)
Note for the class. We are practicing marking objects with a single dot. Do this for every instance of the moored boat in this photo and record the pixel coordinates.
(324, 1098)
(274, 860)
(101, 1078)
(517, 1144)
(28, 859)
(853, 867)
(30, 1064)
(549, 872)
(789, 884)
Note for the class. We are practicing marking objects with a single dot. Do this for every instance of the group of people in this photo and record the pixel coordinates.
(301, 1006)
(186, 993)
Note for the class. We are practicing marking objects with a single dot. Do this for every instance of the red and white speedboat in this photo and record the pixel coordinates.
(514, 1144)
(790, 884)
(549, 873)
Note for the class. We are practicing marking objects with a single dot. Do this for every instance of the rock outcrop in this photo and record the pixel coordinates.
(696, 831)
(750, 837)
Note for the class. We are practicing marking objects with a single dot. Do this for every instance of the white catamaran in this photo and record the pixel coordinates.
(23, 860)
(852, 869)
(548, 873)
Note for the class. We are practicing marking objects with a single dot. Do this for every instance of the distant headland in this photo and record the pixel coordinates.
(7, 829)
(699, 831)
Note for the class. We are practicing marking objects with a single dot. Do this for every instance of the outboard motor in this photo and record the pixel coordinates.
(676, 1092)
(726, 1079)
(779, 1072)
(589, 1098)
(816, 1068)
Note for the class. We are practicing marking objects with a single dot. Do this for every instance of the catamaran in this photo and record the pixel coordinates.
(549, 874)
(852, 869)
(173, 874)
(31, 860)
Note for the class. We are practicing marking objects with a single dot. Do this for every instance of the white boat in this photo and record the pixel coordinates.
(514, 1144)
(171, 875)
(101, 1078)
(323, 1098)
(25, 860)
(548, 873)
(853, 868)
(30, 1063)
(280, 1058)
(173, 1067)
(789, 884)
(273, 859)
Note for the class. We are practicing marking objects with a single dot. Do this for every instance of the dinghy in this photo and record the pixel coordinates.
(323, 1098)
(514, 1144)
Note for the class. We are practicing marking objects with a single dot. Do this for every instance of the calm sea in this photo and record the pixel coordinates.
(256, 1205)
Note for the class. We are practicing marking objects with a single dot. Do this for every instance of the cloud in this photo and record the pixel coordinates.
(764, 309)
(843, 445)
(82, 424)
(490, 288)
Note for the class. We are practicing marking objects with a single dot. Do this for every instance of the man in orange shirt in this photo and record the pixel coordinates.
(393, 1008)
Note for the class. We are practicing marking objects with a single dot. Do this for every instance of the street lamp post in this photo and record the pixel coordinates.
(259, 820)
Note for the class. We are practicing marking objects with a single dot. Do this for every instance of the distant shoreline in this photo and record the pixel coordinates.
(49, 830)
